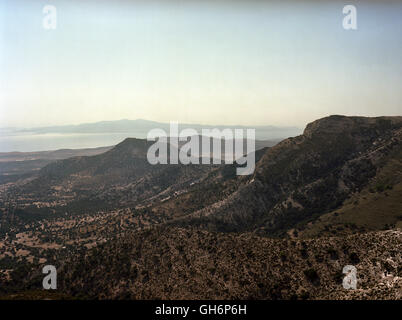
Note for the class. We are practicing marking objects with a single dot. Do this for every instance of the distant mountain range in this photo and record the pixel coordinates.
(139, 129)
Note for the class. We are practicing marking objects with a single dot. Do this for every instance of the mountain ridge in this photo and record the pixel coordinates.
(291, 174)
(141, 127)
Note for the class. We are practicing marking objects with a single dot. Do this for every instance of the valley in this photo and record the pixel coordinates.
(118, 227)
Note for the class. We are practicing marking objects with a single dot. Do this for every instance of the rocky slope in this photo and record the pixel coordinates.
(171, 263)
(304, 177)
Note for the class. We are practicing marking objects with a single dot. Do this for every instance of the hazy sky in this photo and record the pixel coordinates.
(211, 62)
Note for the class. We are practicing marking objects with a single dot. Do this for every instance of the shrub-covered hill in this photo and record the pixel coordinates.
(173, 263)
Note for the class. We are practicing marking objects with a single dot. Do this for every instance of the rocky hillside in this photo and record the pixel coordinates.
(119, 178)
(302, 178)
(171, 263)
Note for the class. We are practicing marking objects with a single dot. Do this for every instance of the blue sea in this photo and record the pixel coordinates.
(28, 142)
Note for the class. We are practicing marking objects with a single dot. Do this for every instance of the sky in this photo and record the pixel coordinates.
(209, 62)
